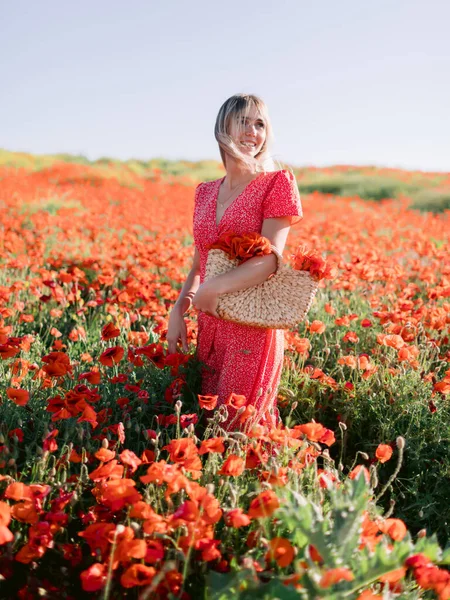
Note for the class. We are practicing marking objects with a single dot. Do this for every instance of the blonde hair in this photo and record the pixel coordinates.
(236, 106)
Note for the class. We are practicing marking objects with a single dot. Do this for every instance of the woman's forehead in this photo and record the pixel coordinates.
(250, 113)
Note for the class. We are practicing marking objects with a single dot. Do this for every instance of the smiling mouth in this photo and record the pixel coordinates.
(248, 144)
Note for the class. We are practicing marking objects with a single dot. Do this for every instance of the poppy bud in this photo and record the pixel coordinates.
(400, 441)
(422, 533)
(105, 443)
(373, 477)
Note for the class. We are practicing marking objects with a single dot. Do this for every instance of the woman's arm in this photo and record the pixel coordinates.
(190, 286)
(257, 269)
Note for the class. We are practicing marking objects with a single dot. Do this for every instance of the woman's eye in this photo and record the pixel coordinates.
(259, 124)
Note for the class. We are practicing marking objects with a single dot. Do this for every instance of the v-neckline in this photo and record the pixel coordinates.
(216, 195)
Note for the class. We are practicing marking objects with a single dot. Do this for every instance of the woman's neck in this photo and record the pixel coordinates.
(237, 174)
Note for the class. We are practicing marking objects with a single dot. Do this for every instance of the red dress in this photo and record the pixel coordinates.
(239, 358)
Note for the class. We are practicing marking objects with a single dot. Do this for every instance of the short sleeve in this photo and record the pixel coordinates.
(282, 198)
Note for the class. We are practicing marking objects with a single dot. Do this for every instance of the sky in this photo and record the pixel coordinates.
(345, 82)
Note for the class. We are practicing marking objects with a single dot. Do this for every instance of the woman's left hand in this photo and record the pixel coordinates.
(206, 299)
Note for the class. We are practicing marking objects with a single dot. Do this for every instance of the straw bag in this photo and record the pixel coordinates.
(279, 302)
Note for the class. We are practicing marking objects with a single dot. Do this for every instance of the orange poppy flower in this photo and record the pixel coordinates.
(236, 401)
(6, 535)
(264, 505)
(112, 356)
(383, 453)
(236, 518)
(184, 452)
(130, 459)
(110, 331)
(310, 260)
(281, 551)
(18, 491)
(207, 402)
(93, 377)
(333, 576)
(155, 551)
(394, 528)
(355, 472)
(233, 466)
(443, 387)
(19, 397)
(97, 536)
(117, 493)
(212, 445)
(8, 351)
(57, 364)
(94, 578)
(249, 411)
(105, 455)
(110, 469)
(25, 512)
(317, 327)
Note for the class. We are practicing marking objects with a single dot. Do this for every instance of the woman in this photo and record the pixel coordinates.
(253, 196)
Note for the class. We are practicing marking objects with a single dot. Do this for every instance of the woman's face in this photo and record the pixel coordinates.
(248, 132)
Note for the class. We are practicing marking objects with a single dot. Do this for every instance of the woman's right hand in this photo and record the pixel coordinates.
(176, 330)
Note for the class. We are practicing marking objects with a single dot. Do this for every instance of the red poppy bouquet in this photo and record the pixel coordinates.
(246, 246)
(311, 261)
(242, 247)
(283, 299)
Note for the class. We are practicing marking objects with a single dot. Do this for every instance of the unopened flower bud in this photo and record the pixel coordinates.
(373, 478)
(135, 526)
(422, 533)
(178, 405)
(400, 441)
(120, 529)
(342, 426)
(105, 443)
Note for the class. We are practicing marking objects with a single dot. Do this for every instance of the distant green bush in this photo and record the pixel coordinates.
(368, 188)
(436, 201)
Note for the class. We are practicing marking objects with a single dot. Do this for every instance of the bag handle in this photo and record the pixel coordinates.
(279, 258)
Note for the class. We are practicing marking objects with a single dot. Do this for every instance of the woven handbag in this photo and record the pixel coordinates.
(280, 302)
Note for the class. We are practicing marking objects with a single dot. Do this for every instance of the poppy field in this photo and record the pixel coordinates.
(116, 480)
